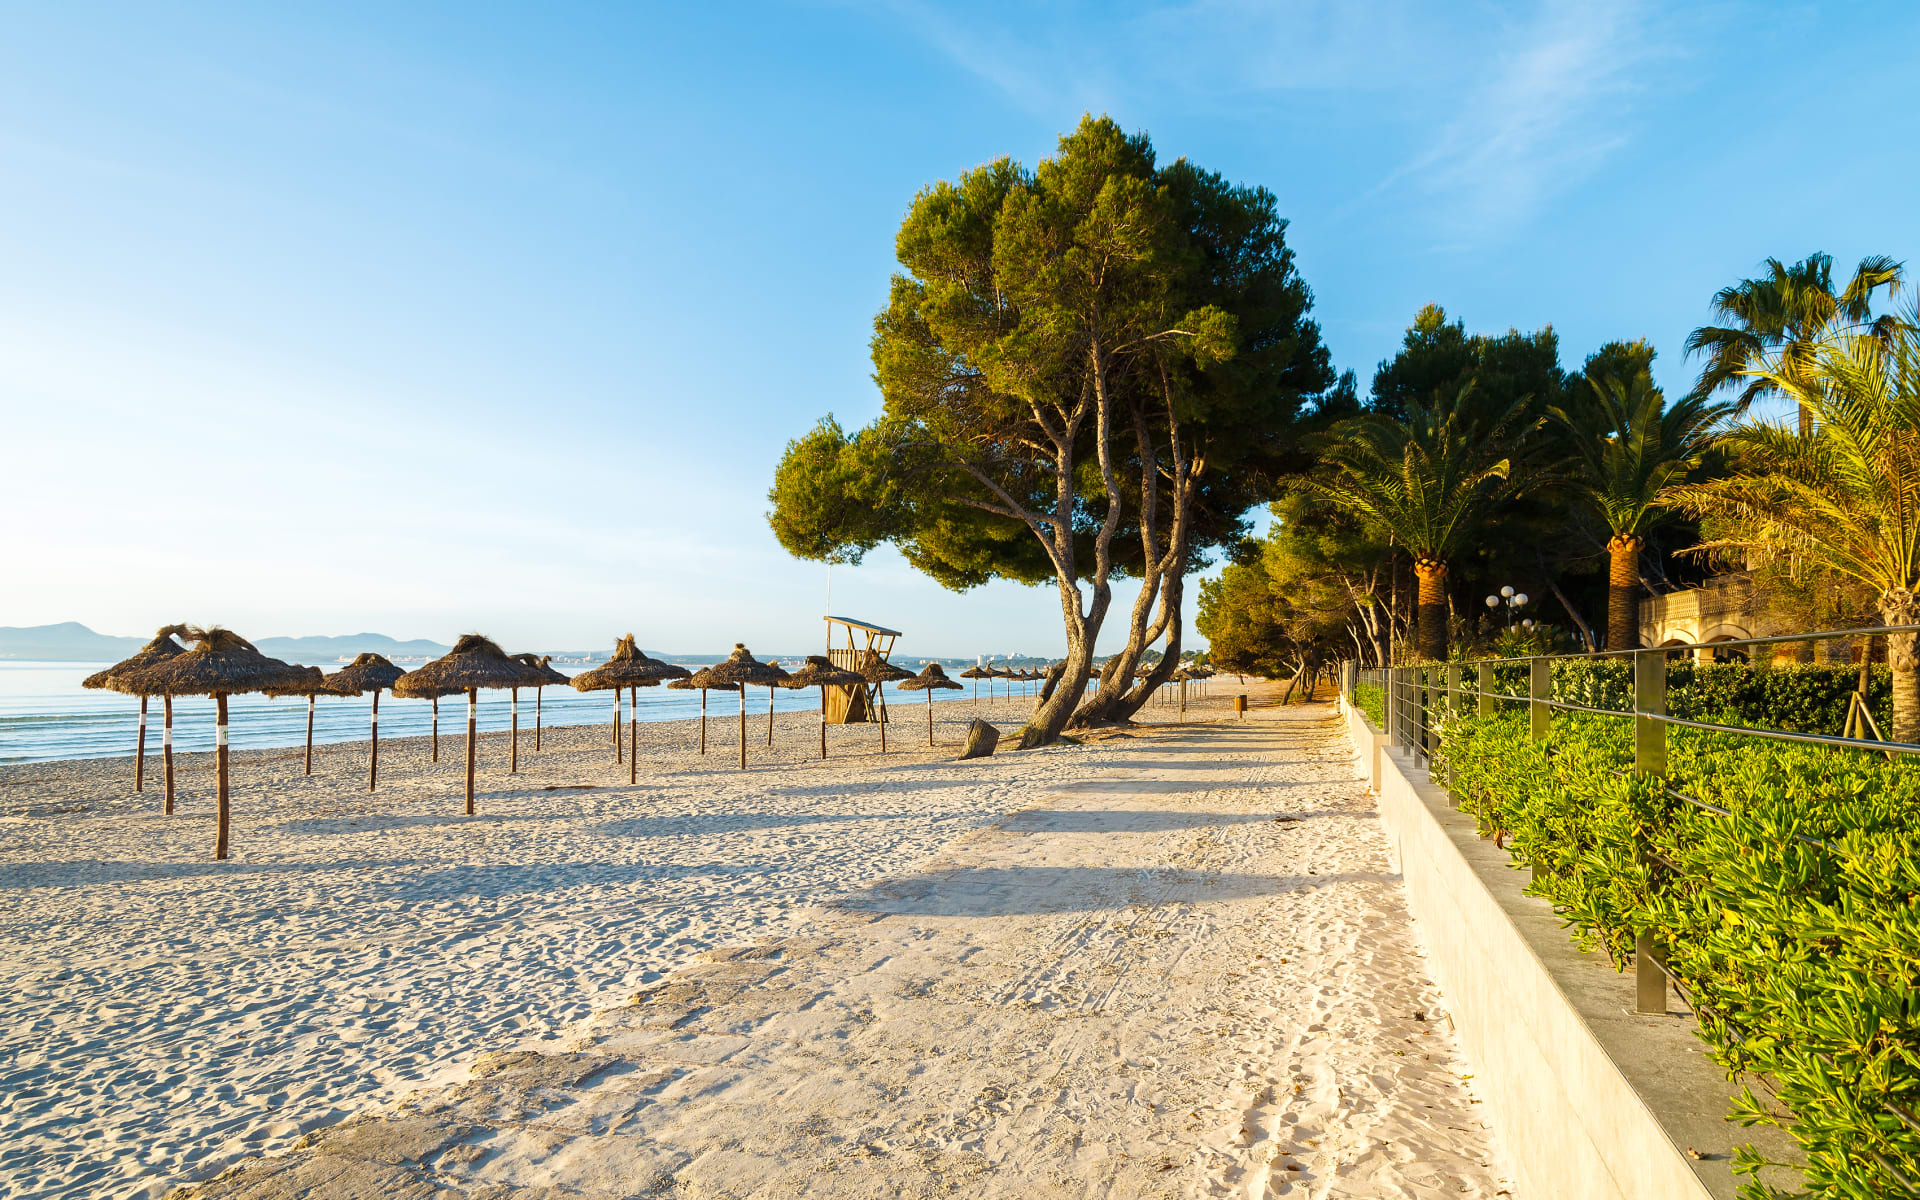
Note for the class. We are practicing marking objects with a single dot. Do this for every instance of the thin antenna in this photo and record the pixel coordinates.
(829, 587)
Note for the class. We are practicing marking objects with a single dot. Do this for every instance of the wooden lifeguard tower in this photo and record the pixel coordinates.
(855, 705)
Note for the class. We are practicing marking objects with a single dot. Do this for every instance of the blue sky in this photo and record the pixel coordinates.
(422, 318)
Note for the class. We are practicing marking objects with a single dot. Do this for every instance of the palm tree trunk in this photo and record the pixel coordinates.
(1903, 655)
(1432, 574)
(1623, 592)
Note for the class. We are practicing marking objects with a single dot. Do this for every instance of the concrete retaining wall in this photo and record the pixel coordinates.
(1591, 1101)
(1369, 741)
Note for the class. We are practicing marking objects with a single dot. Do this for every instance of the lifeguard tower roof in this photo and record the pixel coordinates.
(865, 626)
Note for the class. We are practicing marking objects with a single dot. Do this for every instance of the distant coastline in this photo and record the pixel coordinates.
(70, 641)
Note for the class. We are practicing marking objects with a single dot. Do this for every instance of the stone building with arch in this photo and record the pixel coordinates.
(1723, 609)
(1729, 608)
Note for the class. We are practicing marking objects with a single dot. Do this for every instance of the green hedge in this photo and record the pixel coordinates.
(1801, 699)
(1371, 699)
(1803, 960)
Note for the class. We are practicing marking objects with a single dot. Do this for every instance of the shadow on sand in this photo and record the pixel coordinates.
(1011, 891)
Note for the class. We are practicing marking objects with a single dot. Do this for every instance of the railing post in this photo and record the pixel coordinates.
(1650, 697)
(1456, 680)
(1387, 702)
(1423, 709)
(1483, 688)
(1649, 758)
(1539, 690)
(1649, 981)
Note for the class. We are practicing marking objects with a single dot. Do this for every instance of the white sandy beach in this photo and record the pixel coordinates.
(1099, 969)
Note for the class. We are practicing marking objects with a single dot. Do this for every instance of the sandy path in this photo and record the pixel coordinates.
(163, 1016)
(1179, 971)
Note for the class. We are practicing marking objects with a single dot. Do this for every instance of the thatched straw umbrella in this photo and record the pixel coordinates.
(625, 649)
(931, 678)
(310, 683)
(780, 678)
(819, 671)
(548, 674)
(367, 673)
(162, 647)
(1008, 674)
(629, 669)
(977, 674)
(221, 664)
(879, 672)
(475, 662)
(703, 679)
(742, 670)
(1181, 676)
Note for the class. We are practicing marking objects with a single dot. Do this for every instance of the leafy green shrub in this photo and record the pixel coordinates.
(1801, 699)
(1371, 699)
(1792, 919)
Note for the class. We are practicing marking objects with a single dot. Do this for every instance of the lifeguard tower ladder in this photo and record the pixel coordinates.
(855, 705)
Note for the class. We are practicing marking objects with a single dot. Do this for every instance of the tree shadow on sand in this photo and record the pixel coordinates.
(1161, 787)
(1120, 820)
(1012, 891)
(705, 824)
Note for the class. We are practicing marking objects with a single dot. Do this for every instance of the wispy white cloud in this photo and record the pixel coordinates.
(1553, 97)
(1488, 111)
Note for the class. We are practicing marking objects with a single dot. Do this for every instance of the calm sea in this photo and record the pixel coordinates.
(45, 713)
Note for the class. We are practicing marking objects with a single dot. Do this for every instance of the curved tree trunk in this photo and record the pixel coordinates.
(1431, 640)
(1623, 591)
(1902, 607)
(1082, 629)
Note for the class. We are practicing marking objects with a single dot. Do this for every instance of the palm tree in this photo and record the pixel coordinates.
(1429, 483)
(1630, 449)
(1784, 314)
(1841, 494)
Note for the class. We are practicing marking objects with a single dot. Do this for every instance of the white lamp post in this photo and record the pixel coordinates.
(1511, 600)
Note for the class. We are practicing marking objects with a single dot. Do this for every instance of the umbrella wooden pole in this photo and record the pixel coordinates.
(220, 754)
(618, 753)
(823, 722)
(929, 716)
(703, 720)
(473, 730)
(633, 734)
(140, 751)
(373, 743)
(743, 726)
(166, 748)
(436, 729)
(880, 713)
(537, 694)
(769, 715)
(513, 739)
(310, 701)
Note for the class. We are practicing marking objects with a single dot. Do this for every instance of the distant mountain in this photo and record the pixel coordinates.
(68, 640)
(72, 641)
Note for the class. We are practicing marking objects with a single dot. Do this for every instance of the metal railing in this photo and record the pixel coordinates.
(1415, 695)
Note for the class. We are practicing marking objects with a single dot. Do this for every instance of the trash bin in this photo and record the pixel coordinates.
(1240, 705)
